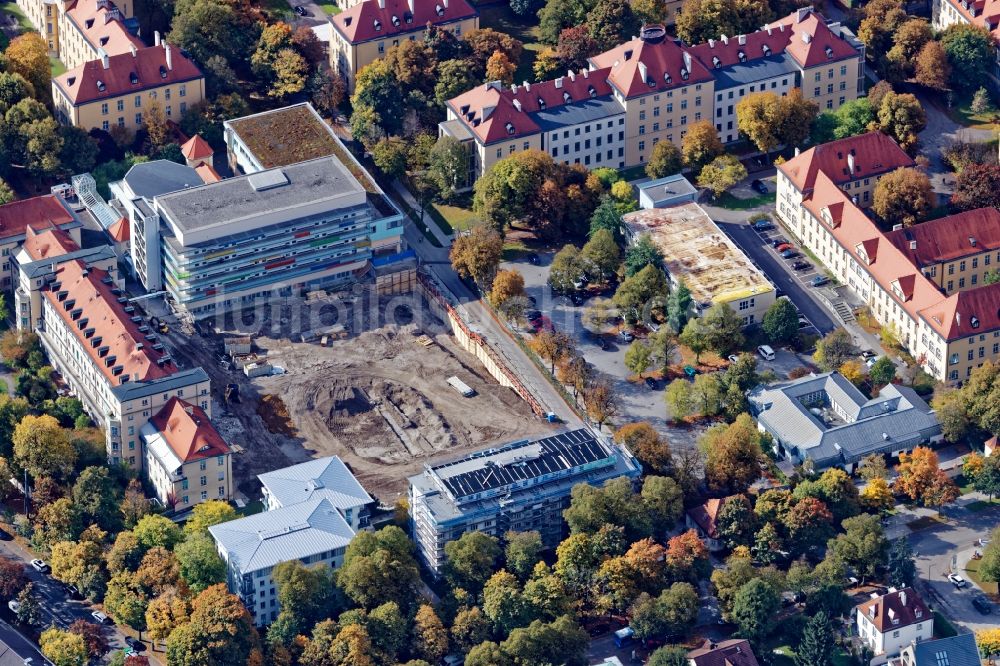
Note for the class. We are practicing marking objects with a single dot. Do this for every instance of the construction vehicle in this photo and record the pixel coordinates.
(159, 325)
(232, 394)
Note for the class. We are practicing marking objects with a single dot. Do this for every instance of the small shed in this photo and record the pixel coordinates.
(668, 191)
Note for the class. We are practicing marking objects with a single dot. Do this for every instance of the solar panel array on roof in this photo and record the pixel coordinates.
(545, 456)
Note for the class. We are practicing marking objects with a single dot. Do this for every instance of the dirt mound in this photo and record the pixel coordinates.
(273, 411)
(380, 419)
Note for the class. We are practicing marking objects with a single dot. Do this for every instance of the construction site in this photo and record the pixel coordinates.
(384, 385)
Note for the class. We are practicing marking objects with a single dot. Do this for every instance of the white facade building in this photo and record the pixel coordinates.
(888, 623)
(321, 478)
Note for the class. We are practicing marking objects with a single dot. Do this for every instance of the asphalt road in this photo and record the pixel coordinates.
(57, 607)
(783, 277)
(934, 549)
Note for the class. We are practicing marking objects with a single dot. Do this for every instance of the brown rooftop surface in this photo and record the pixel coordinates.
(734, 652)
(873, 154)
(285, 136)
(705, 515)
(52, 242)
(188, 431)
(896, 609)
(948, 238)
(45, 210)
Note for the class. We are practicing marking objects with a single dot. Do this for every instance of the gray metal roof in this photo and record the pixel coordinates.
(664, 189)
(325, 477)
(180, 379)
(597, 108)
(958, 650)
(755, 70)
(236, 199)
(848, 426)
(88, 254)
(151, 179)
(290, 533)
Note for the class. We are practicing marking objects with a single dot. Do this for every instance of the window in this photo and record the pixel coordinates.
(169, 110)
(184, 107)
(642, 129)
(204, 480)
(138, 118)
(381, 47)
(843, 70)
(105, 125)
(166, 94)
(184, 484)
(104, 109)
(816, 91)
(818, 76)
(138, 101)
(202, 465)
(642, 145)
(182, 91)
(184, 500)
(204, 496)
(121, 105)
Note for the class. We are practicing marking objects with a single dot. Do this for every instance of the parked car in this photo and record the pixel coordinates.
(759, 186)
(534, 259)
(766, 352)
(300, 10)
(789, 254)
(801, 265)
(762, 225)
(775, 242)
(783, 247)
(40, 566)
(690, 371)
(625, 336)
(869, 362)
(819, 281)
(957, 580)
(74, 592)
(867, 354)
(135, 644)
(651, 384)
(100, 617)
(733, 358)
(803, 322)
(982, 604)
(984, 542)
(14, 605)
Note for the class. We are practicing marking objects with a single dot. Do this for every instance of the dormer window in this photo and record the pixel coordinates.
(408, 17)
(378, 26)
(684, 74)
(829, 52)
(439, 10)
(89, 23)
(567, 98)
(133, 78)
(395, 20)
(766, 49)
(742, 56)
(71, 80)
(163, 72)
(974, 322)
(510, 128)
(716, 62)
(541, 103)
(100, 86)
(592, 91)
(104, 40)
(669, 79)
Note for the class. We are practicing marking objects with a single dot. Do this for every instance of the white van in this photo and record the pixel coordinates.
(766, 352)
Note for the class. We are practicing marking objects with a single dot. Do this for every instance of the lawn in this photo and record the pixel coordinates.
(923, 522)
(972, 571)
(57, 66)
(455, 218)
(731, 202)
(784, 655)
(943, 628)
(278, 9)
(330, 8)
(502, 18)
(961, 113)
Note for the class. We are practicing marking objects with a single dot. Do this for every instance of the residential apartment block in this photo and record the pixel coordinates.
(117, 90)
(825, 419)
(187, 460)
(366, 30)
(313, 511)
(653, 89)
(17, 218)
(108, 355)
(312, 532)
(76, 30)
(324, 477)
(909, 278)
(524, 485)
(888, 623)
(711, 265)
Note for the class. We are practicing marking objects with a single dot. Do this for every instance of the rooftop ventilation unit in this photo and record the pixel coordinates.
(266, 180)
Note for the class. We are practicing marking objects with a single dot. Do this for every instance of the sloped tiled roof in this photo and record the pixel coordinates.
(325, 477)
(368, 20)
(497, 113)
(705, 515)
(51, 242)
(126, 73)
(123, 352)
(290, 533)
(734, 652)
(207, 174)
(188, 431)
(949, 238)
(196, 148)
(39, 212)
(100, 23)
(960, 650)
(120, 231)
(873, 153)
(650, 63)
(895, 609)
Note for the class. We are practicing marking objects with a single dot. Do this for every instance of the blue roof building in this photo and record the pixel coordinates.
(958, 650)
(326, 478)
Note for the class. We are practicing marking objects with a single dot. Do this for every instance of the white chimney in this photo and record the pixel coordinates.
(711, 43)
(642, 71)
(742, 39)
(131, 47)
(169, 55)
(806, 38)
(687, 61)
(558, 82)
(105, 62)
(797, 151)
(724, 39)
(902, 597)
(527, 86)
(381, 4)
(517, 104)
(572, 75)
(410, 3)
(850, 164)
(156, 38)
(586, 73)
(913, 245)
(445, 3)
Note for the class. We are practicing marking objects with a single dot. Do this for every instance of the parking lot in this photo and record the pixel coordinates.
(636, 400)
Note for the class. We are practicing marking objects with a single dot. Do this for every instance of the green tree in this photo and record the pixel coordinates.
(970, 51)
(503, 602)
(668, 655)
(663, 500)
(29, 611)
(902, 117)
(755, 608)
(901, 568)
(862, 545)
(221, 631)
(781, 322)
(721, 174)
(522, 552)
(566, 269)
(641, 254)
(817, 644)
(663, 344)
(199, 562)
(126, 601)
(736, 522)
(666, 160)
(640, 292)
(882, 371)
(470, 628)
(724, 329)
(95, 496)
(430, 638)
(607, 216)
(637, 357)
(389, 155)
(679, 399)
(707, 393)
(559, 642)
(208, 513)
(701, 144)
(981, 101)
(614, 504)
(471, 560)
(904, 196)
(702, 20)
(834, 349)
(601, 254)
(646, 444)
(610, 22)
(154, 530)
(477, 255)
(379, 567)
(42, 447)
(678, 306)
(695, 337)
(448, 166)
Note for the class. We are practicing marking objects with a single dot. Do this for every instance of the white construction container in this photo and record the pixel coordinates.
(461, 387)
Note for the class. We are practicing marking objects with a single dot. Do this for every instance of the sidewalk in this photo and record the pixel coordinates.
(400, 190)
